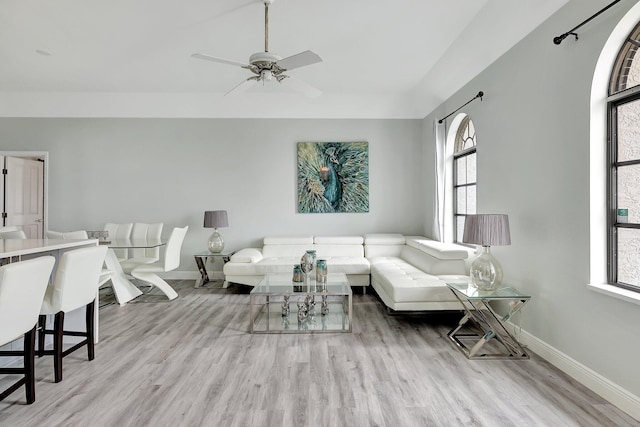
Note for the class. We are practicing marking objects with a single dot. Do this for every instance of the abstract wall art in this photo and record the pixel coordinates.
(333, 177)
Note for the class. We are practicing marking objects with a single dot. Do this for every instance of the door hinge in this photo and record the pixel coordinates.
(4, 171)
(4, 214)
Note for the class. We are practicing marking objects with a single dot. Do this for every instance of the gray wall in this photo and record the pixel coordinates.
(533, 164)
(172, 170)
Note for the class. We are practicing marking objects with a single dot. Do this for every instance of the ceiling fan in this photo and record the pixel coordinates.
(268, 66)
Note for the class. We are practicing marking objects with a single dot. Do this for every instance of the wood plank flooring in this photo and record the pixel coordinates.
(192, 362)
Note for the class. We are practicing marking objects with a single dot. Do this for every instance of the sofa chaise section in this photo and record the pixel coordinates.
(410, 273)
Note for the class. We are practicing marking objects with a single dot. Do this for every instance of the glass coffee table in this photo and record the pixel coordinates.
(279, 305)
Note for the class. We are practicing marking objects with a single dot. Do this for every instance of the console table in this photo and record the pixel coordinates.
(201, 261)
(477, 307)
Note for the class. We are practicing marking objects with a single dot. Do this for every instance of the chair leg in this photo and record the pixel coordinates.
(58, 334)
(90, 329)
(42, 324)
(29, 365)
(156, 281)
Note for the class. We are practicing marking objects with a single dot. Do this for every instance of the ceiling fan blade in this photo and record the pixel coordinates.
(302, 87)
(243, 85)
(220, 60)
(301, 59)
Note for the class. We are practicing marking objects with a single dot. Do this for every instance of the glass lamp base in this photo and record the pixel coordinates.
(216, 243)
(486, 271)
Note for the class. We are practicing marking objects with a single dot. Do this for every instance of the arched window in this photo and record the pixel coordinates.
(623, 218)
(464, 176)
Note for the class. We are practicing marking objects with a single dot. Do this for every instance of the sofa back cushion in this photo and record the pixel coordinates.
(430, 264)
(295, 246)
(438, 249)
(383, 245)
(339, 246)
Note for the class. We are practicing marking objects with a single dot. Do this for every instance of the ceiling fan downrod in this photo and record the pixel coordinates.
(266, 24)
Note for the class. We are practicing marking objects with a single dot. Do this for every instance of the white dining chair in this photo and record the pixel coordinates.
(76, 284)
(12, 233)
(78, 234)
(105, 274)
(149, 272)
(119, 232)
(22, 288)
(137, 256)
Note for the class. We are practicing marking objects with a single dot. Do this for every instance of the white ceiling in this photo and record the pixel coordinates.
(132, 58)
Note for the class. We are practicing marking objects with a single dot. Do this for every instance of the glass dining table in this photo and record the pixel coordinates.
(123, 290)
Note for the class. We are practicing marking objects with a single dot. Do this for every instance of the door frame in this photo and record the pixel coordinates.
(44, 156)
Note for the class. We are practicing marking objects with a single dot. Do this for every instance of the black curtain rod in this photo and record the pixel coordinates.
(479, 95)
(558, 40)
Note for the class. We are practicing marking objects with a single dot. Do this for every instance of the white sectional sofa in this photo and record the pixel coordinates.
(344, 254)
(408, 273)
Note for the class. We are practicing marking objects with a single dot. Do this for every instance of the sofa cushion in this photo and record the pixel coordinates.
(348, 265)
(338, 240)
(380, 245)
(247, 255)
(405, 283)
(437, 249)
(288, 240)
(291, 251)
(324, 251)
(384, 239)
(431, 264)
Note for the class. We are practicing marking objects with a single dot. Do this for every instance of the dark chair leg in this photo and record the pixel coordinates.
(58, 334)
(29, 365)
(90, 329)
(42, 324)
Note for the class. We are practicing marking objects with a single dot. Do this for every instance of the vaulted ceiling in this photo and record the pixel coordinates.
(132, 58)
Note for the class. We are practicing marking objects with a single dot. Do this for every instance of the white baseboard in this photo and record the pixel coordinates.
(600, 385)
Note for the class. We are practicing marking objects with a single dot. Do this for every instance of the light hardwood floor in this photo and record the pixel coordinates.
(192, 362)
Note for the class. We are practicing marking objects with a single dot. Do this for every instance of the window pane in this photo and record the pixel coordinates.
(626, 71)
(461, 200)
(459, 228)
(471, 199)
(629, 131)
(629, 191)
(628, 256)
(471, 168)
(461, 170)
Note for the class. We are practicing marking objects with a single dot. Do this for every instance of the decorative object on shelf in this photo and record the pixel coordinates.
(321, 274)
(297, 274)
(324, 307)
(306, 265)
(333, 177)
(486, 230)
(285, 306)
(215, 220)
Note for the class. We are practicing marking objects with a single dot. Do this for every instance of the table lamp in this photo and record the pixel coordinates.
(215, 220)
(486, 230)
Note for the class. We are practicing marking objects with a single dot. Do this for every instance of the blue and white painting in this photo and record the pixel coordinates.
(333, 177)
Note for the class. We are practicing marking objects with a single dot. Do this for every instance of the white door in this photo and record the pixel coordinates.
(24, 195)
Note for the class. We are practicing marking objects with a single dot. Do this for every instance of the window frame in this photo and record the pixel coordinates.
(457, 155)
(613, 102)
(617, 97)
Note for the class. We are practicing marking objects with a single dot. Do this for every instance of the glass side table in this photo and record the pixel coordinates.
(201, 261)
(477, 307)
